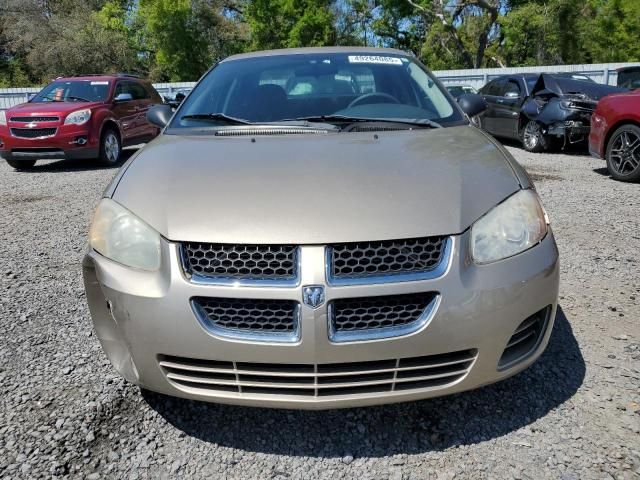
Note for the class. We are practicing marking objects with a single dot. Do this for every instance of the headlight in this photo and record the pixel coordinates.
(3, 118)
(122, 237)
(79, 117)
(512, 227)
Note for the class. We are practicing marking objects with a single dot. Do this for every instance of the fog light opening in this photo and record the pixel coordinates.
(82, 140)
(526, 339)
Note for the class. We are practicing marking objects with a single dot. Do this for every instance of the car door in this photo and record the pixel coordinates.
(142, 99)
(507, 107)
(490, 93)
(125, 109)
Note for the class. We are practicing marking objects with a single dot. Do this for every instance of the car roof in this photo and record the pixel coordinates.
(100, 77)
(317, 50)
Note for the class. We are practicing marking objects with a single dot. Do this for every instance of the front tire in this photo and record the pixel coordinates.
(110, 148)
(533, 139)
(623, 154)
(21, 164)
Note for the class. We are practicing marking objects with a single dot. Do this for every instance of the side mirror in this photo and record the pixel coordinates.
(31, 96)
(123, 97)
(472, 104)
(159, 115)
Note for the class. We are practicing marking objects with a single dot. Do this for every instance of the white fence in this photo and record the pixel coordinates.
(13, 96)
(601, 72)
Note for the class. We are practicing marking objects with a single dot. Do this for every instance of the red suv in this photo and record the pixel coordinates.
(88, 117)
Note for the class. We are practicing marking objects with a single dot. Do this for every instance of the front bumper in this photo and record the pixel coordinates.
(71, 142)
(141, 317)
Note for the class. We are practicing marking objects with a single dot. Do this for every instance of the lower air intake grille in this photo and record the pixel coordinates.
(33, 132)
(241, 262)
(237, 316)
(525, 339)
(213, 377)
(352, 314)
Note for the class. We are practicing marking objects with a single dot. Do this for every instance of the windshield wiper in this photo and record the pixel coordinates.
(216, 117)
(422, 122)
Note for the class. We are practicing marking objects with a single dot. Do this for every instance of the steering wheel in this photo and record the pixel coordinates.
(367, 96)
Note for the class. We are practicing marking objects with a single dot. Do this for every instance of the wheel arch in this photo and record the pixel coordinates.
(110, 123)
(612, 129)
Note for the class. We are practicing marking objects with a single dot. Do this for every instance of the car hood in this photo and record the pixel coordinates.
(49, 108)
(316, 188)
(568, 86)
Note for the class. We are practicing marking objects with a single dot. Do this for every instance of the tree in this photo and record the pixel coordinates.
(290, 23)
(69, 37)
(609, 31)
(185, 37)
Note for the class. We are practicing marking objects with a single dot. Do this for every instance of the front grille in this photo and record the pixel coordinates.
(241, 262)
(238, 316)
(33, 132)
(212, 377)
(525, 339)
(367, 313)
(388, 257)
(34, 119)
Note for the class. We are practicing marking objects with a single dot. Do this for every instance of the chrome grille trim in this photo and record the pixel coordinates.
(249, 334)
(214, 377)
(34, 119)
(236, 281)
(381, 333)
(436, 272)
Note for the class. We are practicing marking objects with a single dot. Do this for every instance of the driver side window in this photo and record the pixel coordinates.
(512, 89)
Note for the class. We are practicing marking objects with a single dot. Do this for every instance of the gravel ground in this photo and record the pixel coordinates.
(575, 414)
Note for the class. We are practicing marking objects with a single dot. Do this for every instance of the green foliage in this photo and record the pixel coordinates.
(180, 39)
(290, 23)
(610, 31)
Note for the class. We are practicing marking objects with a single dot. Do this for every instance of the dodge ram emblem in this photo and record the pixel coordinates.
(313, 295)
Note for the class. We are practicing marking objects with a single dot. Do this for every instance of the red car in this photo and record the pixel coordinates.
(88, 117)
(615, 135)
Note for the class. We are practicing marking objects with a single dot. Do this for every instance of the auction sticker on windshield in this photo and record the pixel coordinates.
(374, 59)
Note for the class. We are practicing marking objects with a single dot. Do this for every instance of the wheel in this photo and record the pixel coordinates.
(21, 164)
(110, 147)
(533, 140)
(623, 154)
(476, 121)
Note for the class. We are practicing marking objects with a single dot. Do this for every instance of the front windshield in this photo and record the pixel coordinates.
(305, 86)
(74, 91)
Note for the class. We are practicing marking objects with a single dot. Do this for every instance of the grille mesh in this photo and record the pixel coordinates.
(250, 262)
(353, 314)
(248, 315)
(33, 132)
(34, 119)
(368, 259)
(215, 377)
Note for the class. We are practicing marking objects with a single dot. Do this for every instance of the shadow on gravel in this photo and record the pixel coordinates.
(604, 171)
(76, 165)
(436, 424)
